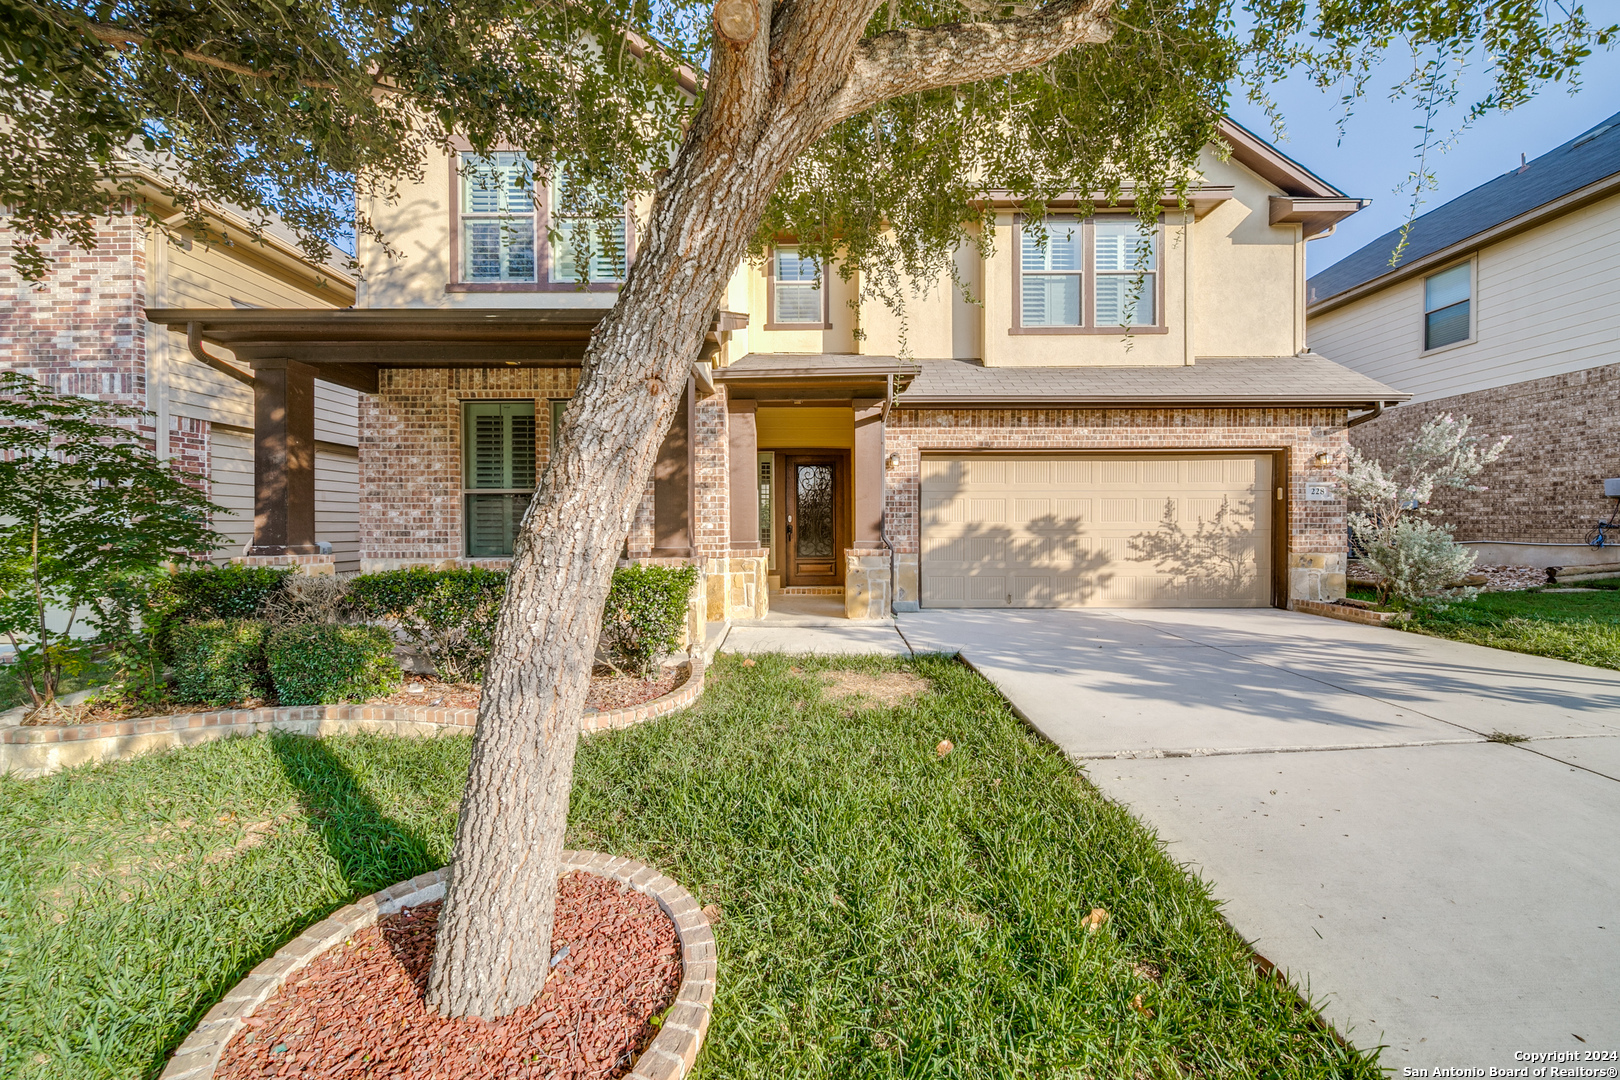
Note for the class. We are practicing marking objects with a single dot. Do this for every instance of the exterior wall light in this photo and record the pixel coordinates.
(892, 461)
(1323, 459)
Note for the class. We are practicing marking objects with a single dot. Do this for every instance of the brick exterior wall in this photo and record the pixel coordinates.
(1314, 528)
(711, 477)
(83, 329)
(410, 453)
(1547, 487)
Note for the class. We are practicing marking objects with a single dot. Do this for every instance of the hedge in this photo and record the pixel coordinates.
(219, 661)
(645, 613)
(324, 663)
(448, 614)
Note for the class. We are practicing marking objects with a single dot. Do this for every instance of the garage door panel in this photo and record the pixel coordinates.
(1121, 530)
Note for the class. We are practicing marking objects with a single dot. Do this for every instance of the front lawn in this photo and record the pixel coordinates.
(884, 910)
(1567, 625)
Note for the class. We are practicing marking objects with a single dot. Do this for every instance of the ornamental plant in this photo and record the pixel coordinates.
(646, 613)
(1392, 521)
(449, 615)
(89, 520)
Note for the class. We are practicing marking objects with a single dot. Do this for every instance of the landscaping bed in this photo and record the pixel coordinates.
(883, 903)
(620, 970)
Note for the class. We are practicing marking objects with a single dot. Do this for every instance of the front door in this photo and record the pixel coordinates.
(814, 525)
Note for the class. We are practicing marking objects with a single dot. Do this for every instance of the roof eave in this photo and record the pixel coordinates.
(1134, 401)
(1558, 207)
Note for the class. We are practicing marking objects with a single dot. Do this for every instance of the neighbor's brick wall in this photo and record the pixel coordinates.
(410, 452)
(83, 329)
(1547, 487)
(1316, 527)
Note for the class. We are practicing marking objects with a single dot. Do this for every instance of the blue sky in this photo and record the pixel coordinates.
(1378, 150)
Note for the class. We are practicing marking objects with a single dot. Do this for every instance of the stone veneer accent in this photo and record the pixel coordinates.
(668, 1057)
(1547, 487)
(1345, 613)
(868, 588)
(38, 751)
(1314, 528)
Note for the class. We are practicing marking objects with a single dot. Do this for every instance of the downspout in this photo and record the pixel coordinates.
(194, 342)
(1377, 411)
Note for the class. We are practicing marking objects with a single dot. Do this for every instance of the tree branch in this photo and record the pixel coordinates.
(910, 61)
(117, 35)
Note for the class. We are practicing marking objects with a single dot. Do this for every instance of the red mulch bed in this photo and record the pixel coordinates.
(606, 692)
(358, 1013)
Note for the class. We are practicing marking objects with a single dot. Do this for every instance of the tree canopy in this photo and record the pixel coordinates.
(299, 109)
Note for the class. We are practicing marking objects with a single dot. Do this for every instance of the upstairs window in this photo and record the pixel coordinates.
(1051, 261)
(796, 295)
(499, 473)
(1127, 271)
(1447, 306)
(497, 218)
(589, 247)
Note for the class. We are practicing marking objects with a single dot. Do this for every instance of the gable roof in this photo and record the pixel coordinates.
(1585, 168)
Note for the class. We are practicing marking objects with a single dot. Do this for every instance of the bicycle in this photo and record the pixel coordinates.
(1597, 537)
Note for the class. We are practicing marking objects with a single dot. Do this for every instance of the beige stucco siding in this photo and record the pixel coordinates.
(1247, 274)
(1543, 306)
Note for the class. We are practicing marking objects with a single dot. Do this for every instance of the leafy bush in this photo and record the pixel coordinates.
(448, 614)
(231, 591)
(645, 613)
(220, 661)
(322, 663)
(1418, 561)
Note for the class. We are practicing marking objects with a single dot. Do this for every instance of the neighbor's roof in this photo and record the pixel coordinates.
(1582, 170)
(1305, 380)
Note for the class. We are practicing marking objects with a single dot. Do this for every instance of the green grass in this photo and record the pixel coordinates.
(1579, 626)
(885, 912)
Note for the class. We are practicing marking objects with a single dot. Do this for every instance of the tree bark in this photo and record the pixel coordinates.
(768, 99)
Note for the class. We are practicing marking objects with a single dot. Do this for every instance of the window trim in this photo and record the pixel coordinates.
(542, 254)
(770, 298)
(542, 458)
(1472, 262)
(1088, 287)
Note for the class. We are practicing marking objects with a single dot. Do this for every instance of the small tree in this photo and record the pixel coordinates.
(1392, 521)
(87, 515)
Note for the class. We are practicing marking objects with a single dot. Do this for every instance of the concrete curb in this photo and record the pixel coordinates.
(668, 1057)
(1345, 613)
(41, 750)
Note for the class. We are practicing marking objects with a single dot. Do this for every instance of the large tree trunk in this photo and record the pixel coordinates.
(770, 95)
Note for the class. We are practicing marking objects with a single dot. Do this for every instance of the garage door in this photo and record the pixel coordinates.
(1113, 530)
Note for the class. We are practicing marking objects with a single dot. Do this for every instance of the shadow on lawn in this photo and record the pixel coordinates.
(371, 849)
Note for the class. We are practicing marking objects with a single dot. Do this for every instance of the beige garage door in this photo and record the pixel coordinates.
(1115, 530)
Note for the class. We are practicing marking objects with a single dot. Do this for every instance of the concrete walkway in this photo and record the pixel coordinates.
(814, 624)
(1454, 899)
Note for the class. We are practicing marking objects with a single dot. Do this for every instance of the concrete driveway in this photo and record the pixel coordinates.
(1453, 899)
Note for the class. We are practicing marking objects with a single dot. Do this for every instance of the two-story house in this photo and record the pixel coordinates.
(1501, 307)
(1128, 418)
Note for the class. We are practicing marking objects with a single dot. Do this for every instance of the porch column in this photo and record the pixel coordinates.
(744, 460)
(672, 485)
(283, 458)
(868, 469)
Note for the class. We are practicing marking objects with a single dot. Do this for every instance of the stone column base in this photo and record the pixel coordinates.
(868, 588)
(306, 564)
(1315, 576)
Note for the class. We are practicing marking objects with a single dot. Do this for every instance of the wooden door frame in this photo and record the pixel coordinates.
(841, 510)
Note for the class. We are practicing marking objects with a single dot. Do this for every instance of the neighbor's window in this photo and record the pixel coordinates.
(1127, 271)
(1447, 317)
(797, 293)
(1050, 262)
(590, 246)
(498, 437)
(497, 217)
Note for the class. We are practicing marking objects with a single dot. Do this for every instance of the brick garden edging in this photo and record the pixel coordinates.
(46, 748)
(1346, 613)
(668, 1057)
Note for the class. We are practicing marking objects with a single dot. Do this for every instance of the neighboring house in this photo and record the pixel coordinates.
(83, 330)
(1501, 306)
(1078, 439)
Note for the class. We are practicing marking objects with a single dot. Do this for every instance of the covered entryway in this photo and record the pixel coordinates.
(1097, 530)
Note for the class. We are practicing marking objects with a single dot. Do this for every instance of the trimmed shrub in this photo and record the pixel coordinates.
(220, 661)
(230, 591)
(324, 663)
(448, 614)
(645, 613)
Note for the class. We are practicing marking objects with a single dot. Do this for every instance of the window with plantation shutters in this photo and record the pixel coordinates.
(497, 218)
(1049, 255)
(499, 473)
(1126, 264)
(587, 246)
